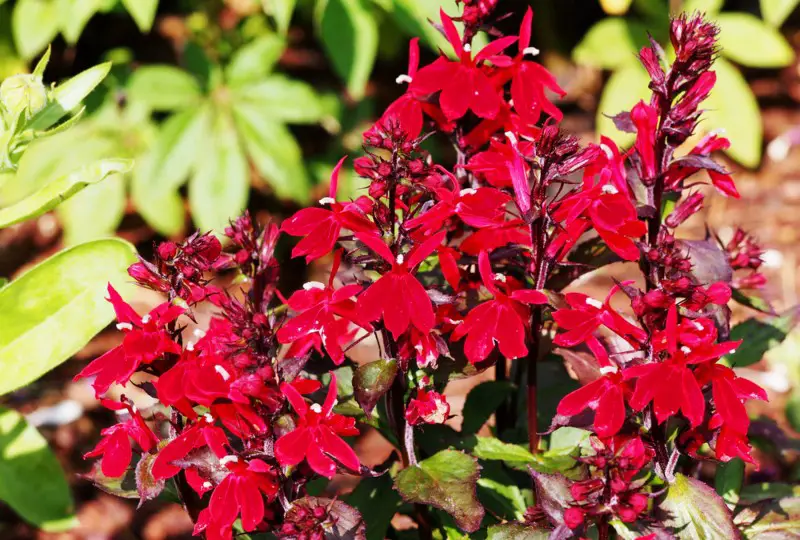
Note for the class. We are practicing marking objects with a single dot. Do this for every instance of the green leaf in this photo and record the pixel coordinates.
(31, 479)
(95, 212)
(281, 11)
(624, 89)
(747, 40)
(220, 186)
(274, 152)
(771, 520)
(751, 300)
(68, 96)
(518, 457)
(349, 37)
(143, 12)
(768, 490)
(500, 494)
(74, 15)
(517, 531)
(373, 380)
(50, 195)
(611, 43)
(568, 438)
(414, 17)
(693, 511)
(374, 498)
(55, 308)
(482, 401)
(34, 24)
(733, 107)
(775, 12)
(728, 481)
(164, 88)
(758, 337)
(256, 60)
(446, 481)
(283, 100)
(710, 7)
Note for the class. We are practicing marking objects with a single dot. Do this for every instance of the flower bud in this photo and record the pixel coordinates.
(23, 93)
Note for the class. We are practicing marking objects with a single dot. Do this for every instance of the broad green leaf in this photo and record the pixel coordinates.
(274, 151)
(768, 490)
(95, 212)
(709, 7)
(281, 11)
(517, 531)
(775, 12)
(747, 40)
(55, 308)
(499, 493)
(34, 24)
(611, 43)
(32, 482)
(771, 520)
(375, 498)
(254, 61)
(758, 337)
(693, 511)
(143, 12)
(164, 88)
(373, 380)
(74, 14)
(50, 195)
(283, 100)
(728, 481)
(624, 89)
(482, 401)
(568, 438)
(733, 107)
(221, 183)
(349, 35)
(516, 456)
(446, 481)
(68, 96)
(615, 7)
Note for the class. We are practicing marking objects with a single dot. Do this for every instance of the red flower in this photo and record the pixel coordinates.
(115, 446)
(241, 492)
(645, 118)
(201, 433)
(721, 180)
(605, 396)
(146, 339)
(323, 311)
(322, 227)
(729, 393)
(492, 165)
(462, 83)
(428, 407)
(317, 435)
(502, 320)
(398, 296)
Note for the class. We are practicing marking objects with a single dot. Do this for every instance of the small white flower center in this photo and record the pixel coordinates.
(207, 485)
(467, 191)
(609, 189)
(146, 319)
(697, 325)
(686, 350)
(400, 259)
(313, 285)
(532, 51)
(327, 200)
(190, 346)
(594, 303)
(208, 418)
(467, 48)
(316, 408)
(124, 326)
(403, 79)
(229, 459)
(607, 151)
(605, 370)
(222, 372)
(500, 277)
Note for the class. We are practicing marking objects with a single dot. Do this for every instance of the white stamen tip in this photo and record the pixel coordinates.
(594, 303)
(533, 51)
(146, 319)
(207, 485)
(208, 418)
(697, 325)
(686, 350)
(327, 200)
(199, 332)
(222, 373)
(467, 191)
(229, 459)
(467, 48)
(313, 285)
(124, 326)
(511, 138)
(400, 259)
(605, 370)
(403, 79)
(607, 151)
(609, 189)
(500, 277)
(316, 408)
(190, 346)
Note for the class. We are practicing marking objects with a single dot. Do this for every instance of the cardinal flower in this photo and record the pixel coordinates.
(428, 407)
(645, 118)
(241, 492)
(501, 321)
(321, 227)
(398, 297)
(115, 446)
(730, 392)
(682, 169)
(203, 432)
(146, 339)
(324, 311)
(605, 396)
(463, 84)
(317, 435)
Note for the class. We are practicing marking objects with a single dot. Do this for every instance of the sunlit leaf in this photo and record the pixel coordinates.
(611, 43)
(375, 498)
(74, 14)
(67, 96)
(143, 12)
(164, 88)
(281, 11)
(692, 510)
(710, 7)
(771, 520)
(624, 89)
(34, 24)
(747, 40)
(775, 12)
(254, 61)
(759, 336)
(95, 212)
(283, 100)
(728, 481)
(372, 380)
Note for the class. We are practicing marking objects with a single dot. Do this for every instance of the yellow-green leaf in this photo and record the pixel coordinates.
(747, 40)
(624, 89)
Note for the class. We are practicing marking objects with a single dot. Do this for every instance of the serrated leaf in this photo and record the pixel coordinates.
(611, 43)
(51, 194)
(758, 337)
(692, 510)
(274, 152)
(771, 520)
(32, 482)
(733, 107)
(482, 401)
(349, 36)
(747, 40)
(516, 456)
(446, 481)
(219, 189)
(147, 485)
(517, 531)
(67, 97)
(344, 521)
(34, 24)
(95, 212)
(775, 12)
(374, 498)
(552, 494)
(624, 89)
(255, 60)
(728, 481)
(373, 380)
(143, 12)
(164, 88)
(55, 308)
(283, 100)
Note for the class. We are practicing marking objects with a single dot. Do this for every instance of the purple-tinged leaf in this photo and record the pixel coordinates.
(552, 494)
(340, 521)
(693, 161)
(771, 520)
(623, 122)
(709, 263)
(446, 481)
(146, 485)
(373, 380)
(124, 486)
(692, 509)
(518, 531)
